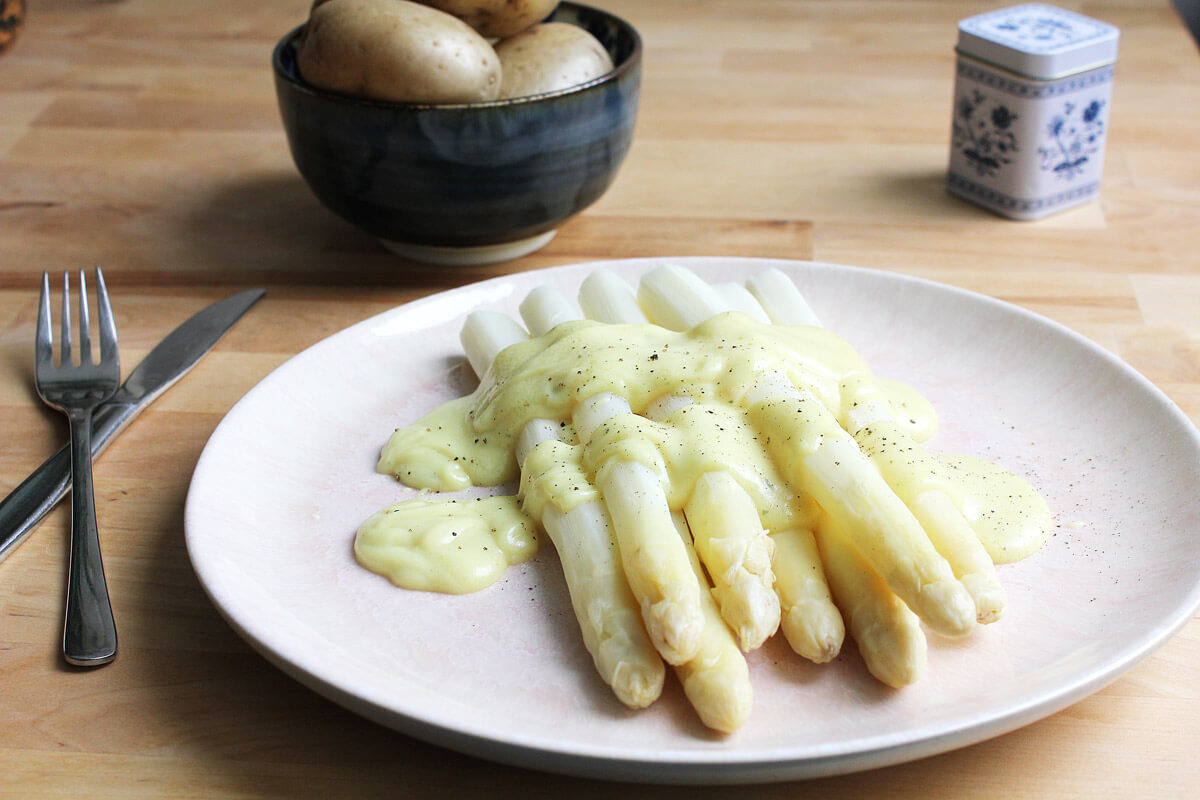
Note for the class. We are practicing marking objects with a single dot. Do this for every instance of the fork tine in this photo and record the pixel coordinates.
(44, 340)
(108, 327)
(85, 323)
(64, 339)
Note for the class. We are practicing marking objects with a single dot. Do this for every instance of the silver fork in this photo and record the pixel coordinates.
(89, 632)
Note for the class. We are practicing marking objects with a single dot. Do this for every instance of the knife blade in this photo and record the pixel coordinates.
(169, 361)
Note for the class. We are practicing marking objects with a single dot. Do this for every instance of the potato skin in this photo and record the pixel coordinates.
(549, 57)
(496, 19)
(12, 19)
(396, 50)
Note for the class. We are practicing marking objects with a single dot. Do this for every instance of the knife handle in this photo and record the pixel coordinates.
(22, 510)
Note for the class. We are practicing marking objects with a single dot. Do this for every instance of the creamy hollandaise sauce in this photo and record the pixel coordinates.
(446, 545)
(458, 545)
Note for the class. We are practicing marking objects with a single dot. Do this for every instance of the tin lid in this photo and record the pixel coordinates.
(1038, 41)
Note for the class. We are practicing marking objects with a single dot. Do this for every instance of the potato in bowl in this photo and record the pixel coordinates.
(496, 18)
(400, 51)
(548, 57)
(465, 182)
(435, 51)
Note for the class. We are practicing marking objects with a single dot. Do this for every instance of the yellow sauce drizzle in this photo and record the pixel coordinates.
(1007, 514)
(462, 546)
(446, 545)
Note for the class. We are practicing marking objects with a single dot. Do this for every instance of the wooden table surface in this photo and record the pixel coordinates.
(143, 135)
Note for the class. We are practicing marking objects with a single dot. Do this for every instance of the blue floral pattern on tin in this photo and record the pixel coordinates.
(1074, 139)
(983, 132)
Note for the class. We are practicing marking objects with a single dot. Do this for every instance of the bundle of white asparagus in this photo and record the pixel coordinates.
(697, 587)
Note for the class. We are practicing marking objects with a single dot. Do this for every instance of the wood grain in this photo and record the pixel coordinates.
(143, 135)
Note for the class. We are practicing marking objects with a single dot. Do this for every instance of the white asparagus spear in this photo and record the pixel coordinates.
(831, 467)
(954, 538)
(870, 418)
(606, 610)
(780, 298)
(737, 552)
(898, 458)
(811, 622)
(834, 471)
(739, 298)
(717, 680)
(654, 559)
(677, 299)
(887, 632)
(484, 334)
(608, 615)
(605, 297)
(543, 308)
(724, 522)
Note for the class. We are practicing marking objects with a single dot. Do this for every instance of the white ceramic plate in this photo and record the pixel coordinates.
(288, 476)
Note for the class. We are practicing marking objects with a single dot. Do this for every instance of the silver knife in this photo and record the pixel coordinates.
(22, 510)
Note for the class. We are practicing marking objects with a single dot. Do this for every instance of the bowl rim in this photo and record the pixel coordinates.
(614, 75)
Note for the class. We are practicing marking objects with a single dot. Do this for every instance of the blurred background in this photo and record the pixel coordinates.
(1190, 10)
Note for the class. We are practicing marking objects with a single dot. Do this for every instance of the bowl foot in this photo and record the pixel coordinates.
(469, 256)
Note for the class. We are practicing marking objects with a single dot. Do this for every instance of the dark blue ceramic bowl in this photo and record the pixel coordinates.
(465, 183)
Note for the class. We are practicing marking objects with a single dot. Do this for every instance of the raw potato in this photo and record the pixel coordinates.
(549, 57)
(397, 50)
(496, 19)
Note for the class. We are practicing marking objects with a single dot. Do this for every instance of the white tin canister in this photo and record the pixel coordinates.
(1032, 96)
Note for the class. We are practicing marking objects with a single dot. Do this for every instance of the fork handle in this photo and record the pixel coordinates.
(89, 631)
